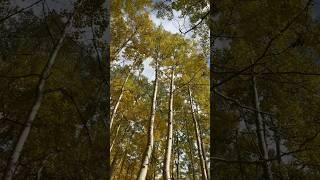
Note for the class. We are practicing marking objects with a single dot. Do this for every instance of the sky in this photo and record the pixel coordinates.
(171, 26)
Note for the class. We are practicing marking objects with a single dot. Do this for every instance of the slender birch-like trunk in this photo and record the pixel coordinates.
(115, 163)
(123, 160)
(190, 151)
(116, 106)
(198, 138)
(191, 157)
(277, 139)
(148, 151)
(12, 164)
(202, 146)
(167, 159)
(115, 137)
(178, 157)
(260, 133)
(212, 15)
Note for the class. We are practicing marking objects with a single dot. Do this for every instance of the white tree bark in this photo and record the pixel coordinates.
(115, 137)
(148, 151)
(114, 111)
(12, 164)
(198, 138)
(167, 159)
(191, 154)
(201, 143)
(178, 157)
(260, 133)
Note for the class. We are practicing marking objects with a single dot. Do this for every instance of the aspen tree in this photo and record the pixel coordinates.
(36, 105)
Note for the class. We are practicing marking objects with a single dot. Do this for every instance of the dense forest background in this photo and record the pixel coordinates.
(160, 122)
(233, 93)
(52, 90)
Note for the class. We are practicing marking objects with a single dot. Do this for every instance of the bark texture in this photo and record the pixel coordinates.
(198, 138)
(267, 173)
(116, 106)
(167, 160)
(12, 164)
(148, 152)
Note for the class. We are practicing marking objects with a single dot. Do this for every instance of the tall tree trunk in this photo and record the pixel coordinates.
(154, 166)
(115, 137)
(202, 146)
(191, 154)
(260, 133)
(114, 164)
(277, 139)
(116, 106)
(178, 157)
(107, 67)
(197, 131)
(12, 164)
(191, 157)
(148, 151)
(212, 14)
(124, 158)
(167, 159)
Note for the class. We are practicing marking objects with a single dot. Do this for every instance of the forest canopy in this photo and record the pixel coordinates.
(165, 89)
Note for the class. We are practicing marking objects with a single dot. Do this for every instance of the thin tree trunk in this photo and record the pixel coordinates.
(197, 131)
(190, 154)
(115, 109)
(178, 158)
(148, 151)
(115, 159)
(191, 150)
(167, 159)
(202, 146)
(191, 158)
(260, 133)
(12, 164)
(124, 158)
(115, 137)
(114, 164)
(154, 167)
(212, 15)
(172, 170)
(277, 138)
(116, 106)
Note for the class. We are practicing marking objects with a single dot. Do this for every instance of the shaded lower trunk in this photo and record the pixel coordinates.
(202, 146)
(191, 154)
(267, 172)
(198, 138)
(12, 164)
(178, 158)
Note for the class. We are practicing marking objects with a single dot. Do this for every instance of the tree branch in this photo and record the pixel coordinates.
(19, 11)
